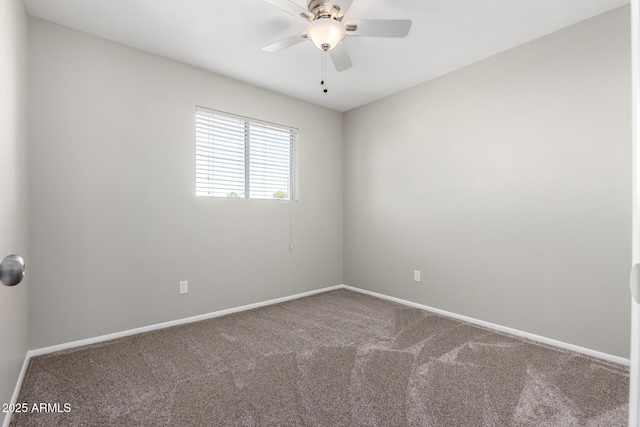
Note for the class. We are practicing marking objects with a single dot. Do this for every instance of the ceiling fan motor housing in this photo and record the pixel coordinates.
(320, 8)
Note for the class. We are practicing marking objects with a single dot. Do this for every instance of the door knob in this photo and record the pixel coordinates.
(635, 282)
(11, 270)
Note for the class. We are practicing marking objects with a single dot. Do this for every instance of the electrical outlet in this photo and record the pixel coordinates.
(416, 275)
(184, 287)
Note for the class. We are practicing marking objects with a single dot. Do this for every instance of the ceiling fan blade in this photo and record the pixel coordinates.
(342, 6)
(378, 28)
(340, 57)
(285, 43)
(292, 8)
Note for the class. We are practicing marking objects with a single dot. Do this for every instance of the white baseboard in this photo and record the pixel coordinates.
(121, 334)
(500, 328)
(102, 338)
(512, 331)
(16, 390)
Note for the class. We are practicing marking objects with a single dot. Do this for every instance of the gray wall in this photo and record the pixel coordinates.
(115, 220)
(507, 183)
(14, 303)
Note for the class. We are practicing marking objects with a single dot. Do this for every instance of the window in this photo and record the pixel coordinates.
(240, 157)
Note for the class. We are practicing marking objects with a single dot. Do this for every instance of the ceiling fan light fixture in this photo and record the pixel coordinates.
(326, 33)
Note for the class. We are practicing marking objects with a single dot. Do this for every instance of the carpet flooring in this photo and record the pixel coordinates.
(338, 358)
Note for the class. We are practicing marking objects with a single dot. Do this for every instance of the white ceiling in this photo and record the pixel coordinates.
(226, 37)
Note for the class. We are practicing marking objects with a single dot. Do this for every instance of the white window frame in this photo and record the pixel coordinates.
(279, 143)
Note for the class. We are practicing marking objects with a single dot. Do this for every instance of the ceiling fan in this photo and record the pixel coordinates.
(327, 31)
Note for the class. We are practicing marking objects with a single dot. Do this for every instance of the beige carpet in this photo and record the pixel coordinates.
(334, 359)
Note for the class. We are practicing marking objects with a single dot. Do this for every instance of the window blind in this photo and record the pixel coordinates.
(239, 157)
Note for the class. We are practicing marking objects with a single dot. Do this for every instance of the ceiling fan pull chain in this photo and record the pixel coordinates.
(324, 73)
